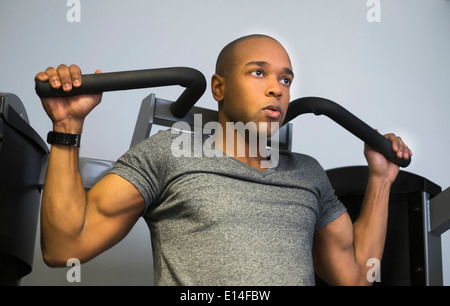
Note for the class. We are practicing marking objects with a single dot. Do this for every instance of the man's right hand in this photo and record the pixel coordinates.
(67, 113)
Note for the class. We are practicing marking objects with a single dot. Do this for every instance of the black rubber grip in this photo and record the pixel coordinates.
(321, 106)
(192, 79)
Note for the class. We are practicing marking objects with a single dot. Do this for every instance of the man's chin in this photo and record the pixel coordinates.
(269, 128)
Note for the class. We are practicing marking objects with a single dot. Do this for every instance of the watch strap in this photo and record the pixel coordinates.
(64, 139)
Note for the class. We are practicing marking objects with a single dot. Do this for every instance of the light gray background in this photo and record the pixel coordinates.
(393, 74)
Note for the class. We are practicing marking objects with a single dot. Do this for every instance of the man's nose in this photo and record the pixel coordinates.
(273, 87)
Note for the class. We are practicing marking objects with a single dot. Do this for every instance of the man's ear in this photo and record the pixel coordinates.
(218, 87)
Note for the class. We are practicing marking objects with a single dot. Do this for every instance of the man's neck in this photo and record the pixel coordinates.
(242, 146)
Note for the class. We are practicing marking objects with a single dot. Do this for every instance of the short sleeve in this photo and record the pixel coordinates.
(143, 166)
(330, 206)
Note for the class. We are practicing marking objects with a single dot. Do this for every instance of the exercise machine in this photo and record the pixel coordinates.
(22, 156)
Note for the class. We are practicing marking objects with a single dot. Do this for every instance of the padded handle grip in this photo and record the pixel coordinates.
(192, 79)
(321, 106)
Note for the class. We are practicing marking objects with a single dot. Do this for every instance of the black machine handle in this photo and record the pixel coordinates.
(192, 79)
(321, 106)
(195, 84)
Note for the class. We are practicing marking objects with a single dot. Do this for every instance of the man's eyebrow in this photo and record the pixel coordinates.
(264, 64)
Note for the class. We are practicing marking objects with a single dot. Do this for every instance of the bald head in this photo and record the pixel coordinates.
(226, 57)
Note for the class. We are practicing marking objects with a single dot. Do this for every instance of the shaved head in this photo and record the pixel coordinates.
(225, 59)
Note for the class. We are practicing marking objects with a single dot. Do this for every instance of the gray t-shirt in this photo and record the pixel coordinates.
(217, 221)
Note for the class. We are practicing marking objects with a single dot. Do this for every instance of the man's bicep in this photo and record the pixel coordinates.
(114, 206)
(114, 195)
(333, 251)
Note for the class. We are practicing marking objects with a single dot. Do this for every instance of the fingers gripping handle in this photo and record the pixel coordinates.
(321, 106)
(192, 79)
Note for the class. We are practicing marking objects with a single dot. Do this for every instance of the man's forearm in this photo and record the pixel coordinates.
(63, 201)
(371, 226)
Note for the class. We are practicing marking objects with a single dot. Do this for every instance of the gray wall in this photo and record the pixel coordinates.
(393, 74)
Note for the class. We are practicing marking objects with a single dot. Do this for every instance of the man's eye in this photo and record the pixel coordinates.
(257, 73)
(286, 81)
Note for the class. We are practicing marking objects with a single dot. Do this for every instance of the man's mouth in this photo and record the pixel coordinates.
(273, 111)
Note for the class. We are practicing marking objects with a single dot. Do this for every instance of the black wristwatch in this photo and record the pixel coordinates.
(64, 139)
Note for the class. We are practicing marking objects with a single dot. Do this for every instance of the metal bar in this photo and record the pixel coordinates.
(440, 212)
(432, 247)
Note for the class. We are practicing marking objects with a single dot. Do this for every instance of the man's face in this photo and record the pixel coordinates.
(257, 85)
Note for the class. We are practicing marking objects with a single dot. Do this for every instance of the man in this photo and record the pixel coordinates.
(216, 220)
